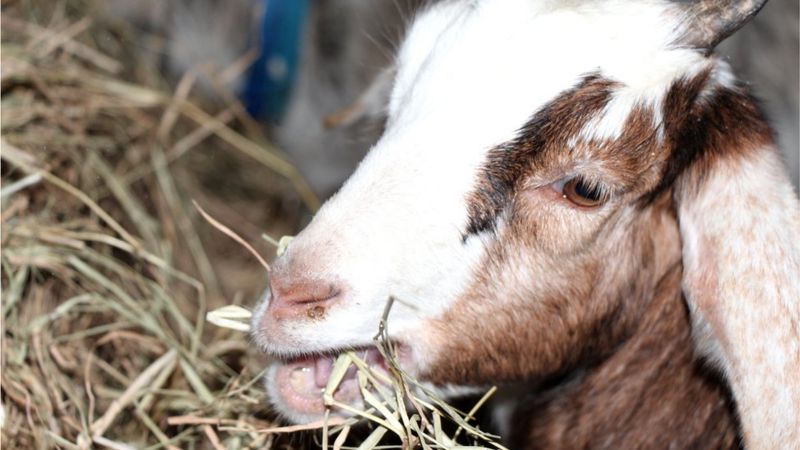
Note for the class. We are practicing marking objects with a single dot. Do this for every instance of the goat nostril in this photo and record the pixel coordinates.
(295, 297)
(305, 297)
(316, 313)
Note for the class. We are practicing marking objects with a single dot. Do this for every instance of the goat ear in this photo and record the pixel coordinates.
(711, 21)
(740, 226)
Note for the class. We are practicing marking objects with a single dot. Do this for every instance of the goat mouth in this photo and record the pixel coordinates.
(299, 383)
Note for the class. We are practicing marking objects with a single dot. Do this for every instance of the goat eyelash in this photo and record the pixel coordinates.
(582, 191)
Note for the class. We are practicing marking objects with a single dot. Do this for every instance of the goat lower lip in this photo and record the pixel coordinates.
(301, 381)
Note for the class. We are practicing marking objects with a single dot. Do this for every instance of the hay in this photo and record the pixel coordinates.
(385, 396)
(108, 270)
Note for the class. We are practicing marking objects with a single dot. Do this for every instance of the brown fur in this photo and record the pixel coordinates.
(583, 313)
(726, 124)
(597, 321)
(651, 393)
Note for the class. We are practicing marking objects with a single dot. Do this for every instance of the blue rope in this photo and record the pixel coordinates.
(270, 79)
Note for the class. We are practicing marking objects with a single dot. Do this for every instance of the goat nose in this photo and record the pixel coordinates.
(294, 297)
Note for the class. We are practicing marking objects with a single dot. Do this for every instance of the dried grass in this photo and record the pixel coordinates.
(107, 271)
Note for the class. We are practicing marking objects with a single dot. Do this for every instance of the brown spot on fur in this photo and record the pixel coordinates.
(508, 164)
(703, 125)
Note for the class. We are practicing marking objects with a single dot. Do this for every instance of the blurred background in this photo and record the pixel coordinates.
(119, 115)
(326, 52)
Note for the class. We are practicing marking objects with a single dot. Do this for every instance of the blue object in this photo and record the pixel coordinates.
(270, 80)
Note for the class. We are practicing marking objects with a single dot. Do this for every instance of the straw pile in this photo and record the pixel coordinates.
(108, 270)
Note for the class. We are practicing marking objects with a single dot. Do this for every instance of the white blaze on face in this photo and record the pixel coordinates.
(469, 75)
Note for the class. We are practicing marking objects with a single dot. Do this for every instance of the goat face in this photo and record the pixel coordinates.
(520, 194)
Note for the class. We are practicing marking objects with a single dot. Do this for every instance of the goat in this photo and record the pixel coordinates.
(578, 202)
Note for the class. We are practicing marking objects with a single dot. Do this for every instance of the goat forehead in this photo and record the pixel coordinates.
(478, 70)
(470, 75)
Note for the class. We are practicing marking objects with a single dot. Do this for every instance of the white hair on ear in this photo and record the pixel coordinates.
(742, 282)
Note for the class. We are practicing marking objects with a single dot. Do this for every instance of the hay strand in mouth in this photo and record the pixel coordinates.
(385, 398)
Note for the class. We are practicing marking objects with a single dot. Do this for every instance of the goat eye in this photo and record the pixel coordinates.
(582, 193)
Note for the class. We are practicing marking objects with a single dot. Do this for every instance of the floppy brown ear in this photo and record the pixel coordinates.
(740, 226)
